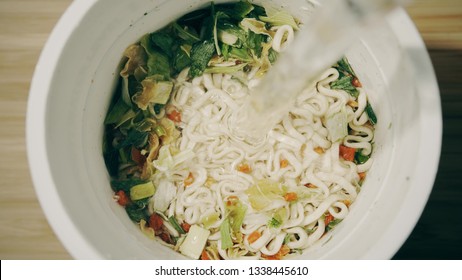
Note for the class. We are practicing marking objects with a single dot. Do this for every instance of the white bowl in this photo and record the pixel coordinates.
(72, 87)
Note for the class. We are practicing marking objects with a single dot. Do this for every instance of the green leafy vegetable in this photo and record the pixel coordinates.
(110, 154)
(254, 42)
(194, 18)
(231, 34)
(158, 108)
(135, 213)
(181, 59)
(160, 131)
(135, 138)
(175, 225)
(370, 113)
(345, 84)
(164, 41)
(225, 233)
(225, 51)
(276, 16)
(171, 132)
(146, 124)
(278, 218)
(347, 75)
(123, 154)
(133, 86)
(124, 90)
(344, 67)
(207, 27)
(188, 34)
(116, 112)
(225, 69)
(125, 185)
(166, 160)
(236, 10)
(216, 18)
(154, 91)
(201, 53)
(142, 203)
(140, 73)
(130, 114)
(332, 224)
(272, 55)
(274, 223)
(210, 219)
(129, 87)
(286, 239)
(360, 158)
(235, 215)
(142, 191)
(254, 25)
(257, 12)
(242, 54)
(135, 60)
(158, 62)
(264, 193)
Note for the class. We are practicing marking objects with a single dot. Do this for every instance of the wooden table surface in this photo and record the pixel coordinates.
(24, 231)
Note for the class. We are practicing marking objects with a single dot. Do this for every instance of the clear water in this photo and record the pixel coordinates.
(321, 41)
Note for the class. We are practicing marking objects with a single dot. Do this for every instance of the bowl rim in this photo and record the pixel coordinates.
(44, 185)
(431, 134)
(79, 247)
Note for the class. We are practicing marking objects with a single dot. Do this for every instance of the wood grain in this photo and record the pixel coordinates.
(24, 28)
(24, 231)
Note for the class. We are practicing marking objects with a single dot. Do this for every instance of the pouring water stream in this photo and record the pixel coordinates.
(317, 46)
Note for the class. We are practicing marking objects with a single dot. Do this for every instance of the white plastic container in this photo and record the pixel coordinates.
(73, 84)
